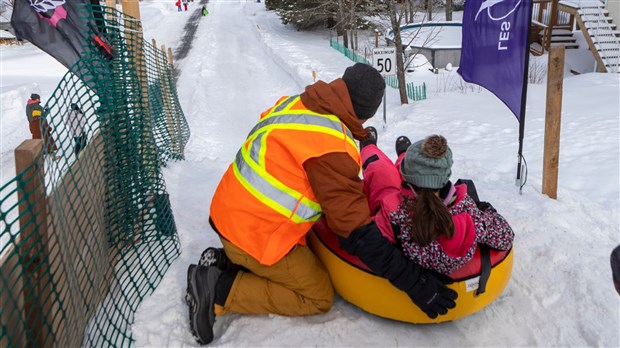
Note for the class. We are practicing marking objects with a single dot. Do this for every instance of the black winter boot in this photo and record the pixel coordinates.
(371, 138)
(402, 144)
(214, 257)
(200, 297)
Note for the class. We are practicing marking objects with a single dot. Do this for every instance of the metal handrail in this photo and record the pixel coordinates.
(602, 28)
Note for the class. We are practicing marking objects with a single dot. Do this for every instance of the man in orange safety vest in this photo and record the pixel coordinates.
(299, 162)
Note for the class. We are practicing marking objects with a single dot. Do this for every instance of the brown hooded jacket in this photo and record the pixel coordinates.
(334, 177)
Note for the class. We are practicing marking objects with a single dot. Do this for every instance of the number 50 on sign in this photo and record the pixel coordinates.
(384, 60)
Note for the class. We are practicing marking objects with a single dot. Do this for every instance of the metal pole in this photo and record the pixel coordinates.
(384, 108)
(519, 181)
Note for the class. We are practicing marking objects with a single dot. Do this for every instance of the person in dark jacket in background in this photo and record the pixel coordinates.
(37, 124)
(300, 161)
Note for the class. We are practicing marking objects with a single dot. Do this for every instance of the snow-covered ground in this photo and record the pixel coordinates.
(243, 59)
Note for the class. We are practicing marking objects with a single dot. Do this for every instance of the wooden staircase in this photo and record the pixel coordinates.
(551, 27)
(601, 34)
(561, 37)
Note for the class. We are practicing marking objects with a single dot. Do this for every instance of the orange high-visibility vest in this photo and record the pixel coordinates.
(264, 203)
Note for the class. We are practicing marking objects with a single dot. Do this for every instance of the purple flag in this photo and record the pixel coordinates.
(494, 47)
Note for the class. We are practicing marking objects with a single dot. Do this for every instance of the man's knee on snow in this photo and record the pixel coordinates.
(324, 304)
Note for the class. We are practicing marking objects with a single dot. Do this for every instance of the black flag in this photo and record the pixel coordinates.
(61, 28)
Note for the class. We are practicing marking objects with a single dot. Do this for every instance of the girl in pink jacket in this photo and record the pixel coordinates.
(436, 224)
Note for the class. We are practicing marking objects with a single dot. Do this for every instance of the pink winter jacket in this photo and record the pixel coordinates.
(382, 184)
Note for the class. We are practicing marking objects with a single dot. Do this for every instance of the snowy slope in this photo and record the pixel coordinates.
(243, 59)
(560, 293)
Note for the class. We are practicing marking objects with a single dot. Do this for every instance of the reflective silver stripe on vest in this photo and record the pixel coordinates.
(255, 148)
(254, 174)
(301, 119)
(281, 197)
(284, 104)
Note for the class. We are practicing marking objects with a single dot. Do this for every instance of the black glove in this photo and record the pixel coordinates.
(484, 206)
(431, 295)
(385, 260)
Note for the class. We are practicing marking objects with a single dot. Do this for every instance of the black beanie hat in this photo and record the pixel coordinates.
(366, 87)
(34, 96)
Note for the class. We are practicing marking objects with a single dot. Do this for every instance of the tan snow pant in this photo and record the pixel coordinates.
(296, 285)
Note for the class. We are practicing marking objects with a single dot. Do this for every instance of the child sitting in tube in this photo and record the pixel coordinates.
(415, 205)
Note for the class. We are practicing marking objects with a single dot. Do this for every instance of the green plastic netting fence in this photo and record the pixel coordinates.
(87, 228)
(349, 53)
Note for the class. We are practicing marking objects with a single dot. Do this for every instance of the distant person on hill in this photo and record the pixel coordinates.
(435, 223)
(38, 124)
(178, 4)
(300, 161)
(204, 10)
(185, 3)
(77, 127)
(615, 267)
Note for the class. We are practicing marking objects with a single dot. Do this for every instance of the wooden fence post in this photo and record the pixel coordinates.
(33, 238)
(111, 16)
(553, 118)
(165, 91)
(13, 315)
(170, 57)
(177, 118)
(136, 47)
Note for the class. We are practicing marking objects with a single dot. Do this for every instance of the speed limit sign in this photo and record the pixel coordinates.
(384, 60)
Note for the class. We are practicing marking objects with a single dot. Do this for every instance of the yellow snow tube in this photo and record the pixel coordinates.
(378, 296)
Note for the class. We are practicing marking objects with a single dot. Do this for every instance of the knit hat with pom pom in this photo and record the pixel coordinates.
(428, 163)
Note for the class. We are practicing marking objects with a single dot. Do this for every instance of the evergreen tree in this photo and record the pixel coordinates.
(339, 14)
(274, 4)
